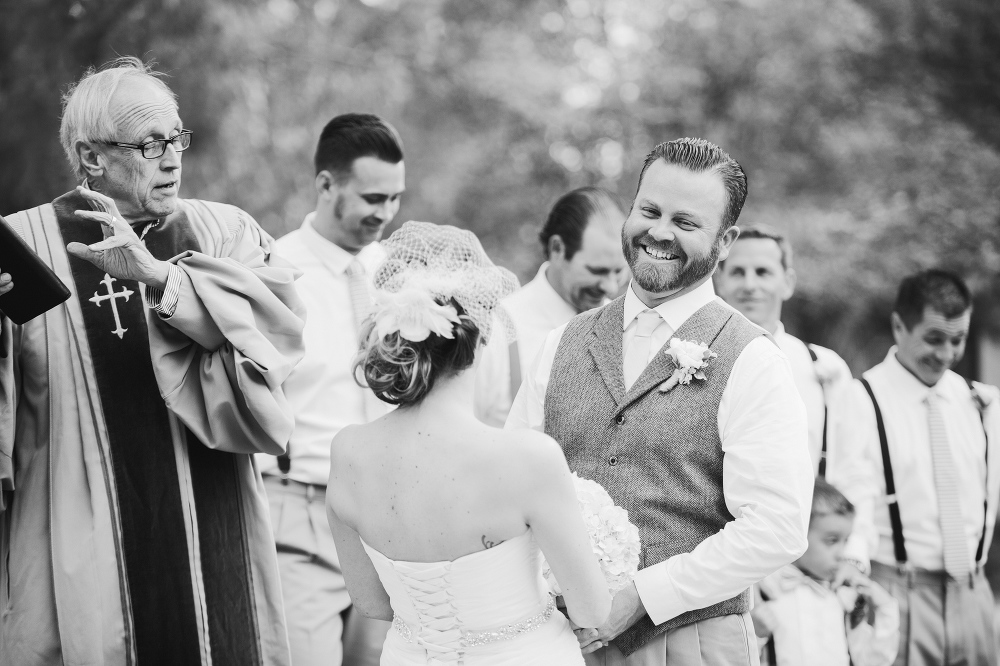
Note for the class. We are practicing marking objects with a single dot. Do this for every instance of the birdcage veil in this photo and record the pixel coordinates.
(448, 262)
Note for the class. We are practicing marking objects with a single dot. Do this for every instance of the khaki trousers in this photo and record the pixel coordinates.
(728, 640)
(942, 621)
(312, 586)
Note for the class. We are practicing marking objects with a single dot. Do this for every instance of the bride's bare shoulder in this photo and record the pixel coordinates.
(531, 449)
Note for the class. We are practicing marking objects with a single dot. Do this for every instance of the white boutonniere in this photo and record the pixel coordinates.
(982, 400)
(690, 358)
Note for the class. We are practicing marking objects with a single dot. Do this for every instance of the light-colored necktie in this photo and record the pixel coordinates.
(956, 547)
(361, 304)
(637, 356)
(361, 300)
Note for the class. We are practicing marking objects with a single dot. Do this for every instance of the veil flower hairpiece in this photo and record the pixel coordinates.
(428, 266)
(414, 314)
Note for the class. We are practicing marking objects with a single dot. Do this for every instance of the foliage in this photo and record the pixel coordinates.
(868, 129)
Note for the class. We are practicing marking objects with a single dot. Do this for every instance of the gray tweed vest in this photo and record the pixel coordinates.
(658, 454)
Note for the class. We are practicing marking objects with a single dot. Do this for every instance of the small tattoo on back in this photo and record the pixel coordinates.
(487, 544)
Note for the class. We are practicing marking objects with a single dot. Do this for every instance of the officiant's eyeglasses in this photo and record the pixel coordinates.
(155, 148)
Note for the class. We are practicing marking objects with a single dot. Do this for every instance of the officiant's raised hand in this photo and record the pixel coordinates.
(121, 254)
(6, 283)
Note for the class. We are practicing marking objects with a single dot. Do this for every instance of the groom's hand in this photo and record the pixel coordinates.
(626, 610)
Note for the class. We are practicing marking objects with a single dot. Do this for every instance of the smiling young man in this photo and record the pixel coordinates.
(926, 432)
(715, 472)
(359, 182)
(757, 278)
(584, 268)
(132, 524)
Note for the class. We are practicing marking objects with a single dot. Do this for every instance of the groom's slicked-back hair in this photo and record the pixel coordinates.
(701, 155)
(943, 291)
(352, 135)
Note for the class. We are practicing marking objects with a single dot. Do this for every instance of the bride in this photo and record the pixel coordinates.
(440, 520)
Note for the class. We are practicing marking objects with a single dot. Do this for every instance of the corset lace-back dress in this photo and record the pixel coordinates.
(488, 607)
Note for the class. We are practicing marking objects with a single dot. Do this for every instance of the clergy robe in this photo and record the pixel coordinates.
(133, 523)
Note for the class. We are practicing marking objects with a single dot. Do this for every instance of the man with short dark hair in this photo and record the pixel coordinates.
(133, 528)
(688, 415)
(926, 432)
(757, 278)
(359, 182)
(584, 268)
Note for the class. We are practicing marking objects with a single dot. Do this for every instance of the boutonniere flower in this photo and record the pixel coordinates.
(982, 401)
(690, 358)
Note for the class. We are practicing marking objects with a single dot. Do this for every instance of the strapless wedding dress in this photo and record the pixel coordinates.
(488, 607)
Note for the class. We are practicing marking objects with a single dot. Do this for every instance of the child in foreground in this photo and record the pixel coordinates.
(799, 619)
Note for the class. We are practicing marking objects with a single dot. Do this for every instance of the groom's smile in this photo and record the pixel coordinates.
(671, 238)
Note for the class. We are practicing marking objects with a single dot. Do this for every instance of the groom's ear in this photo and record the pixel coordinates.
(726, 241)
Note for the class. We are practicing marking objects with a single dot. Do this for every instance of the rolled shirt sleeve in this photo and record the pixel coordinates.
(767, 481)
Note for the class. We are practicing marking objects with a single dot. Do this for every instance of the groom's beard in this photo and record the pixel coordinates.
(656, 279)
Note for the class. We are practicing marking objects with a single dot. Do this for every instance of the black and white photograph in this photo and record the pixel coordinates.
(499, 332)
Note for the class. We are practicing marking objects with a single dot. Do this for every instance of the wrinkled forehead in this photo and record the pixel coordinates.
(140, 107)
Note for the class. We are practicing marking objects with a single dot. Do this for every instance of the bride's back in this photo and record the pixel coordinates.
(430, 483)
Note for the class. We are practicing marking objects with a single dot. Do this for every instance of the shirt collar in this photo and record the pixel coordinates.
(334, 257)
(548, 299)
(906, 385)
(674, 311)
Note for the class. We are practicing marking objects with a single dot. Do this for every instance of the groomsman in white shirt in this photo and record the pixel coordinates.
(713, 471)
(584, 268)
(359, 182)
(757, 278)
(928, 433)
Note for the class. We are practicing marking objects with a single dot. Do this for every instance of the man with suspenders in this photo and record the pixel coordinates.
(927, 434)
(756, 279)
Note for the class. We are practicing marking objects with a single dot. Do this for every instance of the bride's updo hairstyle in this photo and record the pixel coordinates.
(436, 300)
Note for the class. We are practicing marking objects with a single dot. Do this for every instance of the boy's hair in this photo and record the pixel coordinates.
(827, 499)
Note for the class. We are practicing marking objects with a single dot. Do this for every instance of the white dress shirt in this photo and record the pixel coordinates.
(825, 382)
(321, 390)
(536, 310)
(821, 384)
(901, 398)
(766, 475)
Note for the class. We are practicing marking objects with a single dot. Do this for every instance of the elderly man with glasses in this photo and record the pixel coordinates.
(133, 522)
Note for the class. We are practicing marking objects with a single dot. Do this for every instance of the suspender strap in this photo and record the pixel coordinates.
(822, 452)
(898, 545)
(986, 496)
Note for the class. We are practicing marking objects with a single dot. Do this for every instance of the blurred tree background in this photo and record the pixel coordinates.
(870, 129)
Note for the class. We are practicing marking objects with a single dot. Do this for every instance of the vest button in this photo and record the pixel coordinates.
(620, 419)
(613, 460)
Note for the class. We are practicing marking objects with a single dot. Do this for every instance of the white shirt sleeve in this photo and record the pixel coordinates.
(767, 481)
(852, 469)
(492, 393)
(528, 410)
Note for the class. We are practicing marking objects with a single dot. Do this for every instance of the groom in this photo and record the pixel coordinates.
(715, 472)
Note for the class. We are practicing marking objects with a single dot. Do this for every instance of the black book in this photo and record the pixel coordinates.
(37, 288)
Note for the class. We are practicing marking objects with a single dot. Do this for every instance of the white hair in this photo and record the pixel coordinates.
(87, 105)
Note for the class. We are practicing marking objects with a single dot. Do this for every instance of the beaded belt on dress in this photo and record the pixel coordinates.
(475, 638)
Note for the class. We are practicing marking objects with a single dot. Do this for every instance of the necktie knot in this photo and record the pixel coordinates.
(647, 321)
